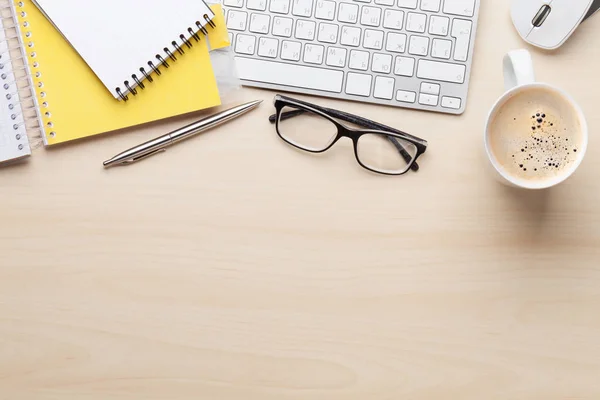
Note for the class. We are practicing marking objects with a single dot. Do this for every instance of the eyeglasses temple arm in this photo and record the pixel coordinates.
(367, 123)
(286, 115)
(355, 120)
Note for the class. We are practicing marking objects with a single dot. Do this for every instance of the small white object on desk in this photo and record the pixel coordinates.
(546, 24)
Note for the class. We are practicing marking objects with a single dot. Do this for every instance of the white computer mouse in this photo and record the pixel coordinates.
(548, 23)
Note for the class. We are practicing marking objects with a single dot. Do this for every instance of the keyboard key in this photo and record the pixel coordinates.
(439, 25)
(405, 66)
(328, 33)
(385, 2)
(384, 88)
(313, 53)
(336, 57)
(428, 99)
(451, 102)
(302, 8)
(363, 1)
(416, 22)
(259, 23)
(267, 47)
(430, 5)
(382, 63)
(290, 75)
(359, 60)
(373, 39)
(405, 96)
(236, 20)
(348, 13)
(430, 88)
(393, 19)
(407, 3)
(350, 36)
(280, 6)
(419, 45)
(396, 42)
(461, 30)
(244, 44)
(282, 26)
(325, 10)
(358, 84)
(465, 8)
(291, 50)
(234, 3)
(440, 71)
(370, 16)
(305, 29)
(258, 5)
(441, 48)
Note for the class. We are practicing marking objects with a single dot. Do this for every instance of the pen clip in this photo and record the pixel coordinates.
(136, 159)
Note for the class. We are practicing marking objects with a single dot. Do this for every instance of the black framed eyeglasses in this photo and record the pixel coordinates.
(378, 148)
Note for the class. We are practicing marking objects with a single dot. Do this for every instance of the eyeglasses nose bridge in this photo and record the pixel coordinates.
(350, 134)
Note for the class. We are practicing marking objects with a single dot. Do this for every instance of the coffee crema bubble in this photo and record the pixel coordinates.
(535, 135)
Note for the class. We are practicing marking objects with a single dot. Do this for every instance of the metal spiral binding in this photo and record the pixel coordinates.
(132, 88)
(20, 88)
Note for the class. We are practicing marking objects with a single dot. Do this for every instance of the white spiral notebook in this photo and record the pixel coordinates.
(18, 106)
(124, 41)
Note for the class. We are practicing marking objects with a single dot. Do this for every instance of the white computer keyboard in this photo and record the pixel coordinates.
(404, 53)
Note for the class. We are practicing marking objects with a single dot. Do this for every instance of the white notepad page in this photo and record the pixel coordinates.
(14, 143)
(118, 37)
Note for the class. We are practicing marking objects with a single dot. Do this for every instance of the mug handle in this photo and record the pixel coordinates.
(518, 69)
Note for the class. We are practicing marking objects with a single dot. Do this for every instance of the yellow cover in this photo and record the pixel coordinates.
(75, 104)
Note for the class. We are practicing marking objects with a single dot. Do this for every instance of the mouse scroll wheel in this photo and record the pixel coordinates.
(541, 16)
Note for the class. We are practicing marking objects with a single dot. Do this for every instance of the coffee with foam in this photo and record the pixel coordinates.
(536, 134)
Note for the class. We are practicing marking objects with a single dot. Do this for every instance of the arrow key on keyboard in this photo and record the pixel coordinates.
(405, 96)
(430, 88)
(451, 102)
(428, 100)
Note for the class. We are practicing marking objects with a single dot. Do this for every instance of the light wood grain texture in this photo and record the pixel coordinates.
(233, 267)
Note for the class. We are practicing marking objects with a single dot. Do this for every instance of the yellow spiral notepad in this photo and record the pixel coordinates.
(75, 104)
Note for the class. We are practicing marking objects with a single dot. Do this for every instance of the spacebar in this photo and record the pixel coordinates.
(298, 76)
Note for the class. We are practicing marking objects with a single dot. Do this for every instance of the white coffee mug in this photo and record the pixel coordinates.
(519, 77)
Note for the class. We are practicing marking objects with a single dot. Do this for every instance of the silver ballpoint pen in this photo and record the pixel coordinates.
(159, 144)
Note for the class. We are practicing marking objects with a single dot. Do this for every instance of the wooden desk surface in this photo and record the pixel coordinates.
(233, 267)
